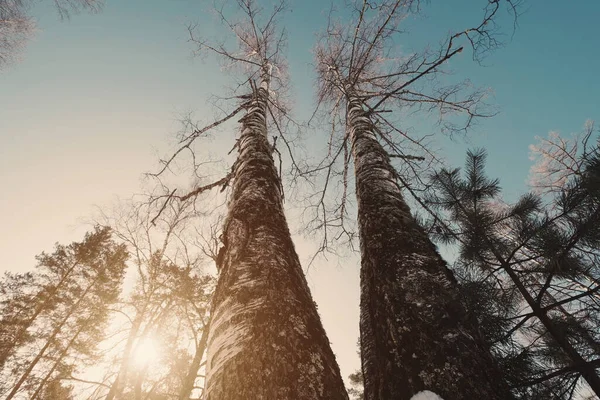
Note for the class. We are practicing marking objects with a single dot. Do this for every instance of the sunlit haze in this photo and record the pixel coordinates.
(147, 352)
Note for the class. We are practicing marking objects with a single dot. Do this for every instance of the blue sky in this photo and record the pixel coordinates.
(96, 98)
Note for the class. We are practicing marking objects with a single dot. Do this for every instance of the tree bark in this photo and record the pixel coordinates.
(266, 340)
(415, 333)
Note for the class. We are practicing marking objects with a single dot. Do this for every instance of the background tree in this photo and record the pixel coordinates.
(356, 382)
(30, 295)
(356, 389)
(534, 264)
(19, 298)
(17, 26)
(55, 390)
(166, 312)
(63, 334)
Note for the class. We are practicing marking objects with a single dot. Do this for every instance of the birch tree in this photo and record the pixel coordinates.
(266, 340)
(415, 333)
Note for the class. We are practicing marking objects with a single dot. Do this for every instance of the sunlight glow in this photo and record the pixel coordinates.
(146, 352)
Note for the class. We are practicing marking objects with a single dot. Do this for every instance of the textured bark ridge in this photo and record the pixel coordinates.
(266, 340)
(415, 335)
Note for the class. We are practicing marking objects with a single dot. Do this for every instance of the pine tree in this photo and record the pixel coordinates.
(67, 319)
(20, 304)
(55, 390)
(537, 264)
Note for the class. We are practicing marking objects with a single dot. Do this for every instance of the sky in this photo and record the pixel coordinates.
(95, 100)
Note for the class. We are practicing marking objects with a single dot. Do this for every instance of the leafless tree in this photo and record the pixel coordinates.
(558, 160)
(415, 333)
(15, 29)
(170, 300)
(266, 339)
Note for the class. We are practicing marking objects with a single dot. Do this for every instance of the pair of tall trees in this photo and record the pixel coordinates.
(266, 340)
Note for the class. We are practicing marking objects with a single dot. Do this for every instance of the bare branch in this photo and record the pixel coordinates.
(189, 139)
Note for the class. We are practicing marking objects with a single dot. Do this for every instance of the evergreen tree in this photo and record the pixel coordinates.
(55, 390)
(20, 303)
(68, 304)
(529, 272)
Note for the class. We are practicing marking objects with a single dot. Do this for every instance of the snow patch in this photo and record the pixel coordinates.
(426, 395)
(450, 336)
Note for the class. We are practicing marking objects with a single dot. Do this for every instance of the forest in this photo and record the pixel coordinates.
(270, 199)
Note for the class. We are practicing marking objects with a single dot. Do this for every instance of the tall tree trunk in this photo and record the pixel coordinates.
(188, 384)
(266, 340)
(415, 334)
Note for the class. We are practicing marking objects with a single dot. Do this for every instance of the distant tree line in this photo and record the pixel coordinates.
(85, 321)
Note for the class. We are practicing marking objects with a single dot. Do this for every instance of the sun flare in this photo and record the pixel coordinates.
(146, 352)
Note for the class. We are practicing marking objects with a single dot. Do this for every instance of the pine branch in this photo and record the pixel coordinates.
(572, 368)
